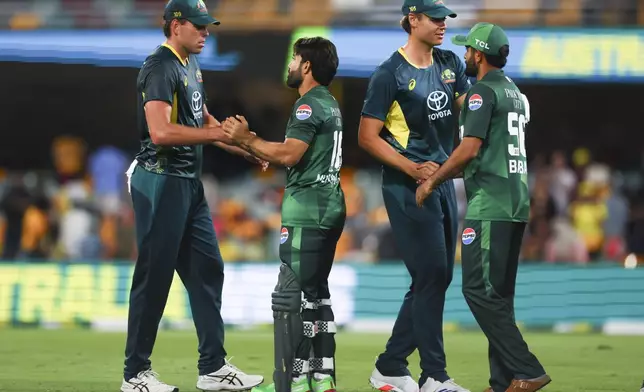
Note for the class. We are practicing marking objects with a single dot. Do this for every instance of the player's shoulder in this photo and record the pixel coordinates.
(481, 88)
(319, 104)
(307, 106)
(156, 60)
(390, 65)
(479, 94)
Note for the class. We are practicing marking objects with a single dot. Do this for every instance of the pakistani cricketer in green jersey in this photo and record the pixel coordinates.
(313, 216)
(492, 157)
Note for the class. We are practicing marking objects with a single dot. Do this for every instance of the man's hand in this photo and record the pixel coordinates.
(213, 122)
(422, 171)
(236, 128)
(423, 191)
(426, 170)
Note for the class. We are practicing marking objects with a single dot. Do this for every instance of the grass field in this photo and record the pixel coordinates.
(84, 361)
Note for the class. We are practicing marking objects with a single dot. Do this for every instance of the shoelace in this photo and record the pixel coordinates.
(233, 367)
(150, 374)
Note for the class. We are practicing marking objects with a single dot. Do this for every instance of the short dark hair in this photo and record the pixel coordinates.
(167, 24)
(404, 22)
(500, 60)
(322, 55)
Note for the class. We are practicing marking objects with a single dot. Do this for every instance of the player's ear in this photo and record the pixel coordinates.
(478, 56)
(306, 67)
(413, 20)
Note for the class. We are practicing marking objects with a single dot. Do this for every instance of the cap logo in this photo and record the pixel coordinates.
(177, 14)
(412, 8)
(482, 44)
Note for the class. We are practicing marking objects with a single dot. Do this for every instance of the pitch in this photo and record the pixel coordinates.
(83, 361)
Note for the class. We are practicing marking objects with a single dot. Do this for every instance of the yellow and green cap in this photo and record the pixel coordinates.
(484, 37)
(431, 8)
(194, 11)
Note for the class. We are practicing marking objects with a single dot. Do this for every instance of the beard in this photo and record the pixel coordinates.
(294, 78)
(471, 69)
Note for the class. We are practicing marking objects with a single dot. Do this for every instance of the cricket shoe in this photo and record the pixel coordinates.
(147, 381)
(432, 385)
(323, 384)
(531, 385)
(300, 385)
(392, 384)
(228, 378)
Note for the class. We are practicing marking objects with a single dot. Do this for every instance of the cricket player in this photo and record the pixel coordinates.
(313, 217)
(493, 155)
(416, 95)
(174, 228)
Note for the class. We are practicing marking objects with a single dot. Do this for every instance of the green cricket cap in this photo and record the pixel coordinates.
(431, 8)
(194, 11)
(484, 37)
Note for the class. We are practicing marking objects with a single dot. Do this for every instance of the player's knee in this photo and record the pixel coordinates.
(434, 272)
(287, 297)
(469, 293)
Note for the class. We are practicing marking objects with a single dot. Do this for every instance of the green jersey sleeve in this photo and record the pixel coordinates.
(306, 119)
(381, 93)
(159, 83)
(479, 106)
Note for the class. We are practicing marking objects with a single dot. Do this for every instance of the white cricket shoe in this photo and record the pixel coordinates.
(432, 385)
(147, 381)
(392, 384)
(228, 378)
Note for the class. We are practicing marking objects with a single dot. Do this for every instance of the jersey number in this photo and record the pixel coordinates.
(516, 127)
(336, 158)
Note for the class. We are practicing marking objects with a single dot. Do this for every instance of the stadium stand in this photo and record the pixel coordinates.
(281, 14)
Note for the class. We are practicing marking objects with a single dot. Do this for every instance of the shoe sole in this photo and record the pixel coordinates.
(543, 386)
(228, 388)
(176, 389)
(383, 386)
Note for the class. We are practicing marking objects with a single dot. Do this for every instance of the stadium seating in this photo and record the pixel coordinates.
(283, 14)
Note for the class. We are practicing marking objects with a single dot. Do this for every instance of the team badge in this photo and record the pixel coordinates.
(303, 112)
(283, 235)
(199, 77)
(469, 235)
(475, 102)
(448, 76)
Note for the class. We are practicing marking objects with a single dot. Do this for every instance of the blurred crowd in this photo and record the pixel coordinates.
(276, 14)
(582, 211)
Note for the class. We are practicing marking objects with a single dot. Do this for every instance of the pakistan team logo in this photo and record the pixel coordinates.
(448, 76)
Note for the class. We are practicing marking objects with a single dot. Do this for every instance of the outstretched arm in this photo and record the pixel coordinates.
(227, 144)
(287, 153)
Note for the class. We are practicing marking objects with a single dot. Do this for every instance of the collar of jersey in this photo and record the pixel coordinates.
(493, 73)
(184, 63)
(402, 53)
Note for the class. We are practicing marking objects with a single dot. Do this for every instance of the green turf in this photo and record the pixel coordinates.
(75, 361)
